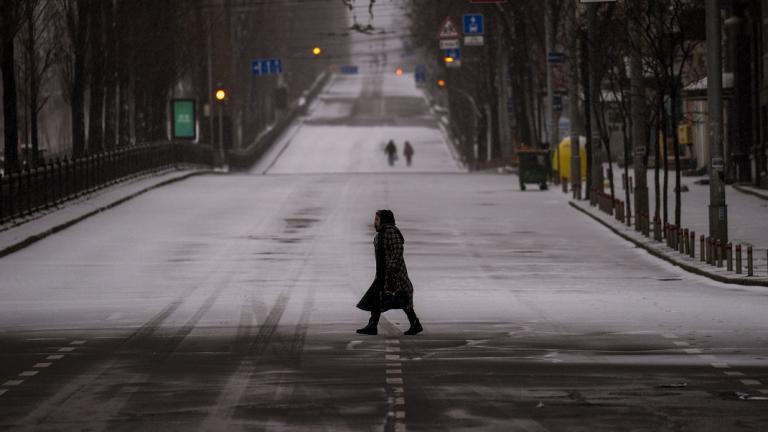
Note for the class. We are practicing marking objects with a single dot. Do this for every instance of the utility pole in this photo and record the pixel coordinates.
(718, 211)
(639, 138)
(209, 49)
(551, 113)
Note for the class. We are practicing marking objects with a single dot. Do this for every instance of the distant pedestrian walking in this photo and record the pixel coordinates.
(391, 289)
(391, 150)
(408, 152)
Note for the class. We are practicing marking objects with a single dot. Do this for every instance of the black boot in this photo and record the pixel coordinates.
(416, 327)
(371, 328)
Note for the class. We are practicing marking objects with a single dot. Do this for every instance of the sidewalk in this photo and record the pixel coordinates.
(747, 223)
(21, 233)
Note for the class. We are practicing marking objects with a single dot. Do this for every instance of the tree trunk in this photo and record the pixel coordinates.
(657, 156)
(33, 86)
(77, 103)
(676, 150)
(627, 190)
(110, 77)
(96, 115)
(10, 108)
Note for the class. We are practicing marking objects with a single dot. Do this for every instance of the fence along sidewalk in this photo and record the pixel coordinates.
(25, 192)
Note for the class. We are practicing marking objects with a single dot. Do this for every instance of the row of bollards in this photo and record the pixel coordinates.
(711, 251)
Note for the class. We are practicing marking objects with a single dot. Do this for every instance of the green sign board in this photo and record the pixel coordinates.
(184, 119)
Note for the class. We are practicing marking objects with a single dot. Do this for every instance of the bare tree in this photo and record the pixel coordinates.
(10, 21)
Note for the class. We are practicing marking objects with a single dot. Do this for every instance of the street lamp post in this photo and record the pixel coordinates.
(718, 211)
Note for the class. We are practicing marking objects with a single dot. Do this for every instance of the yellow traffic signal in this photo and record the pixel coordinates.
(317, 51)
(449, 59)
(441, 83)
(221, 94)
(399, 71)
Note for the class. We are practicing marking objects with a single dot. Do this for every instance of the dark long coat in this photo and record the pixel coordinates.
(391, 289)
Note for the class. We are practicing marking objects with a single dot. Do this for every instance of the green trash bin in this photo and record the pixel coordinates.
(534, 167)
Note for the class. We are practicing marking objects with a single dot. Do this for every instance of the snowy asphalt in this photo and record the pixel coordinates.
(227, 303)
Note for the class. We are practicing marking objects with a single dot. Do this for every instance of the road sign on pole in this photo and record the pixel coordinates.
(262, 67)
(448, 29)
(474, 24)
(449, 44)
(452, 57)
(184, 119)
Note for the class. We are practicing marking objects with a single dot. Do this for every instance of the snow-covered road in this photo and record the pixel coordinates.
(227, 303)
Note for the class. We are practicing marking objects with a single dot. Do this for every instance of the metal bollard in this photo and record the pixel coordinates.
(749, 261)
(718, 255)
(703, 248)
(692, 250)
(729, 256)
(738, 259)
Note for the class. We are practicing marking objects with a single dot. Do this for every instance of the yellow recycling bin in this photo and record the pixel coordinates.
(564, 153)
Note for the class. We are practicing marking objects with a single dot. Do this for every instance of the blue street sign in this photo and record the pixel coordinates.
(454, 53)
(555, 57)
(420, 74)
(262, 67)
(349, 70)
(474, 24)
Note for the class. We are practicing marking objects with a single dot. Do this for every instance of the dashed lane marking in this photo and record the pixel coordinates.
(751, 382)
(42, 365)
(720, 365)
(733, 373)
(77, 342)
(707, 357)
(66, 349)
(669, 336)
(10, 383)
(692, 351)
(681, 343)
(2, 392)
(55, 357)
(763, 391)
(29, 373)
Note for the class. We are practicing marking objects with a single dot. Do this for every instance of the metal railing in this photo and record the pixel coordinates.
(25, 192)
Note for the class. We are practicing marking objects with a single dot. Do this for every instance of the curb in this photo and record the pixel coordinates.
(37, 237)
(750, 192)
(669, 259)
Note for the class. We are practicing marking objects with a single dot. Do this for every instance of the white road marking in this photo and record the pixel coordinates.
(29, 373)
(707, 357)
(67, 349)
(751, 382)
(733, 373)
(400, 427)
(395, 381)
(2, 392)
(669, 336)
(393, 349)
(42, 365)
(763, 391)
(680, 343)
(115, 316)
(13, 382)
(394, 365)
(393, 356)
(352, 344)
(397, 389)
(393, 341)
(394, 371)
(400, 401)
(55, 357)
(720, 365)
(400, 414)
(77, 342)
(44, 339)
(692, 351)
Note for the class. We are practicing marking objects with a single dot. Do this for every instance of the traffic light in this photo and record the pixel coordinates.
(399, 71)
(316, 51)
(441, 83)
(220, 94)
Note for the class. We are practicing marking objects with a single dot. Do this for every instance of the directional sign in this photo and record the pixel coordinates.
(474, 24)
(262, 67)
(474, 40)
(448, 29)
(449, 44)
(555, 57)
(349, 70)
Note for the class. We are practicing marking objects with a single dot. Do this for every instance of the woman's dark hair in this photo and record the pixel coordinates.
(386, 216)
